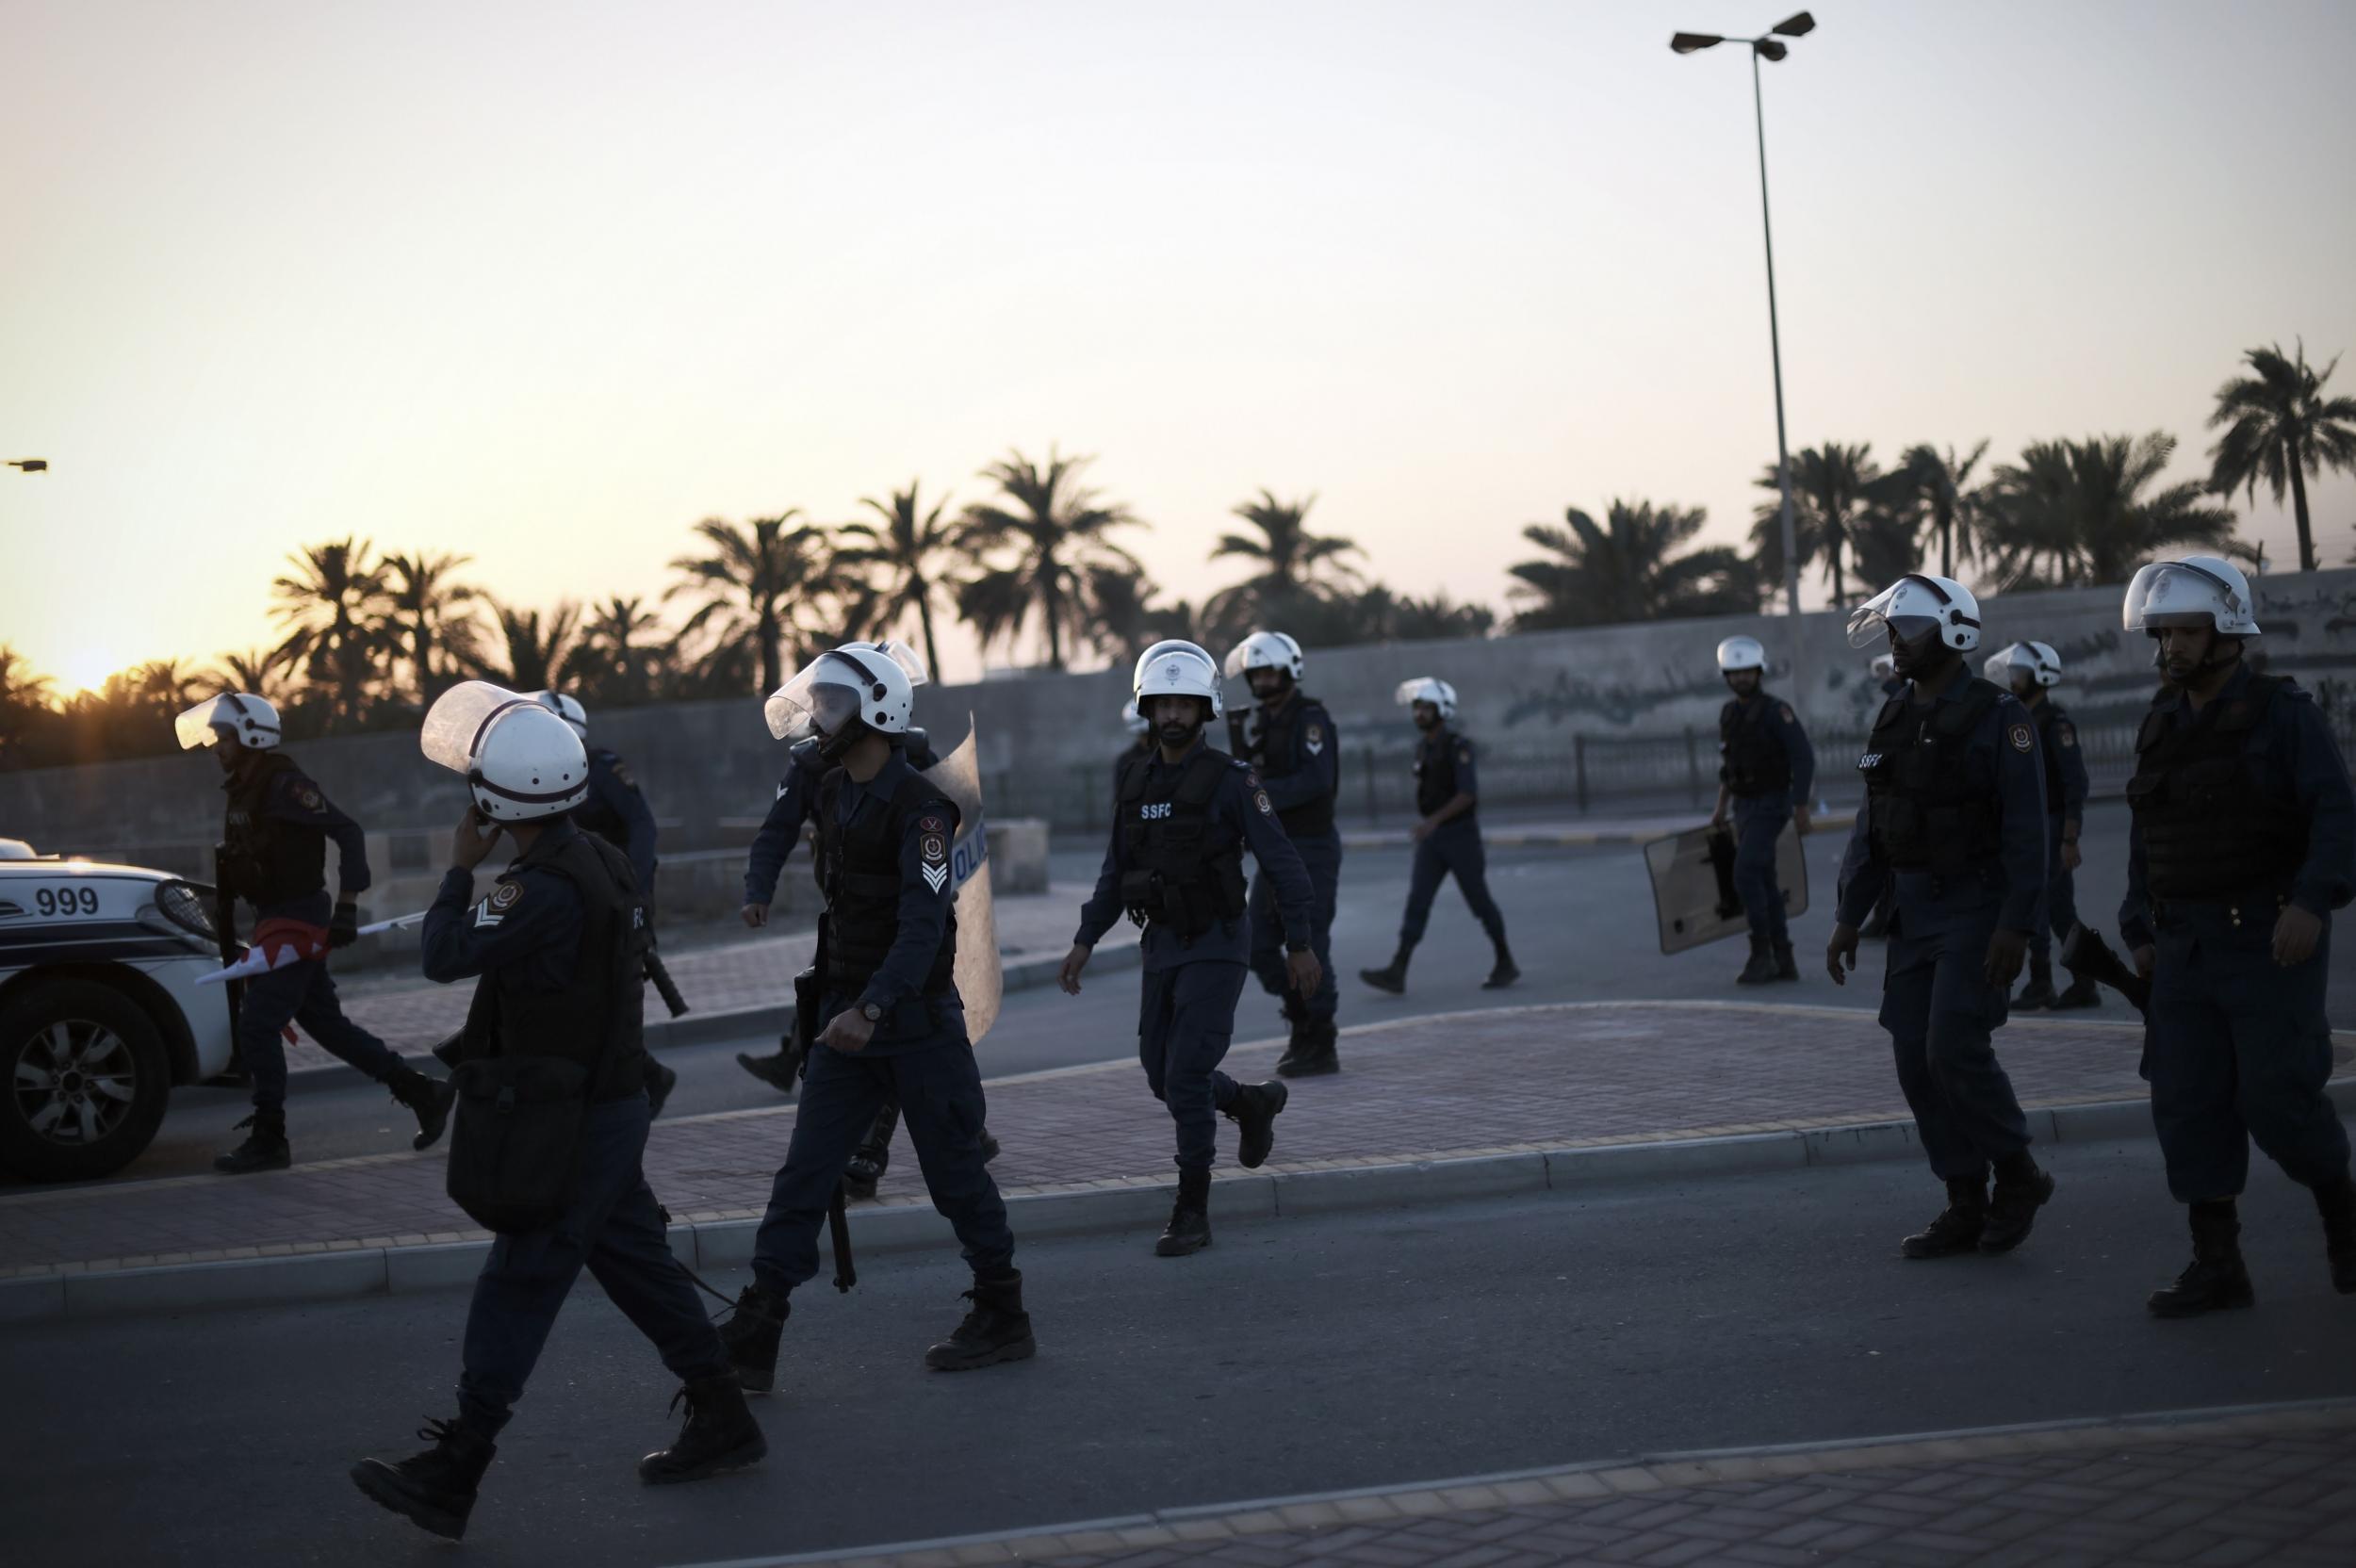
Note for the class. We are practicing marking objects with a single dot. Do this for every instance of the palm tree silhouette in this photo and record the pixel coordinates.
(1626, 569)
(1293, 565)
(617, 660)
(259, 672)
(1032, 553)
(1933, 487)
(1831, 486)
(532, 649)
(431, 612)
(2279, 428)
(24, 702)
(901, 548)
(334, 603)
(2085, 512)
(749, 580)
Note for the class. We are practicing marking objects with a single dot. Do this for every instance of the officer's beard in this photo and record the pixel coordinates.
(1273, 690)
(845, 736)
(2180, 669)
(1177, 736)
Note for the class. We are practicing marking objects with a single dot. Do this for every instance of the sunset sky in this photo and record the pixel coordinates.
(547, 283)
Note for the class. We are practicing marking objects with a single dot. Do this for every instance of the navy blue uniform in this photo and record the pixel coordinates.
(303, 993)
(2235, 1046)
(617, 813)
(1307, 786)
(1763, 804)
(1937, 1002)
(2066, 789)
(789, 812)
(919, 1057)
(532, 922)
(1186, 1017)
(1452, 849)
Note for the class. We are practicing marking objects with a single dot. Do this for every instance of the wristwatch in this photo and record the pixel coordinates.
(872, 1011)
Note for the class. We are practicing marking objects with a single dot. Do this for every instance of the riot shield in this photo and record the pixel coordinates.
(1692, 884)
(980, 981)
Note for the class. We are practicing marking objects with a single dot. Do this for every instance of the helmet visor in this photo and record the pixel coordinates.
(460, 718)
(825, 696)
(2174, 592)
(197, 726)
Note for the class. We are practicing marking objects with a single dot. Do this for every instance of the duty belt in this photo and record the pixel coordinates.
(2264, 903)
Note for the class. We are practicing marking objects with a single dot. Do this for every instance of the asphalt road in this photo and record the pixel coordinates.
(1382, 1349)
(1580, 920)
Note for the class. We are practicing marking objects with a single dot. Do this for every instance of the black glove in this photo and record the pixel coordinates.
(343, 927)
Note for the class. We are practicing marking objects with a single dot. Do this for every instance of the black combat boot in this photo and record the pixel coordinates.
(775, 1070)
(428, 1099)
(1294, 1021)
(2216, 1278)
(1254, 1111)
(1762, 967)
(2080, 992)
(996, 1330)
(2337, 1204)
(660, 1081)
(1787, 967)
(2021, 1190)
(751, 1331)
(720, 1435)
(1189, 1227)
(434, 1490)
(1959, 1227)
(264, 1149)
(1317, 1055)
(1505, 970)
(2038, 993)
(1392, 977)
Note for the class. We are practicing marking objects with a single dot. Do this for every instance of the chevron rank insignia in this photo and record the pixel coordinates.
(934, 853)
(1314, 738)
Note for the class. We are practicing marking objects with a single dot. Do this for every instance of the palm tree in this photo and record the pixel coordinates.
(24, 703)
(1626, 569)
(167, 683)
(1934, 487)
(2080, 510)
(1123, 619)
(618, 660)
(1033, 551)
(1830, 486)
(432, 610)
(534, 650)
(259, 672)
(750, 580)
(2279, 428)
(333, 604)
(1294, 565)
(902, 548)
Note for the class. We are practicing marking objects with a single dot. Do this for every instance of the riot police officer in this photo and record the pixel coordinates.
(557, 950)
(273, 854)
(1766, 771)
(1290, 742)
(1954, 815)
(2244, 843)
(895, 1029)
(1175, 865)
(2030, 670)
(1448, 839)
(1884, 672)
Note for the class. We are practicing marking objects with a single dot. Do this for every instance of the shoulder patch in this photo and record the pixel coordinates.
(1313, 737)
(2021, 736)
(1786, 710)
(621, 774)
(1259, 798)
(306, 794)
(2064, 734)
(932, 823)
(1464, 753)
(505, 897)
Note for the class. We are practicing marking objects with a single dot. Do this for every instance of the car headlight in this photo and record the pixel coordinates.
(180, 904)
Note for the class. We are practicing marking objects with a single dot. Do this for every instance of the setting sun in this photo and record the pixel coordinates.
(87, 666)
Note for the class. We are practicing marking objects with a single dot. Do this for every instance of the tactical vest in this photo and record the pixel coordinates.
(2216, 814)
(1932, 803)
(268, 860)
(1435, 774)
(1752, 758)
(1126, 763)
(858, 864)
(1169, 875)
(2049, 717)
(593, 815)
(1277, 756)
(598, 1019)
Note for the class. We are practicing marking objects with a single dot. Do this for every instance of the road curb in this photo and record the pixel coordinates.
(1571, 837)
(717, 1241)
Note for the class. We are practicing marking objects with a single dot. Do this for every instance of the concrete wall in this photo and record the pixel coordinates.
(1631, 710)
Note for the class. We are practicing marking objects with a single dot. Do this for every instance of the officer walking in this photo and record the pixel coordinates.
(1448, 839)
(1954, 816)
(2032, 670)
(2244, 843)
(556, 949)
(1175, 866)
(895, 1029)
(1290, 742)
(273, 854)
(1766, 771)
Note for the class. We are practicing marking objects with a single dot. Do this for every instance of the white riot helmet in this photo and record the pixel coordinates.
(1885, 667)
(1176, 668)
(1426, 689)
(1914, 607)
(2197, 590)
(2038, 658)
(247, 720)
(1266, 650)
(1137, 724)
(1742, 653)
(567, 708)
(521, 760)
(848, 690)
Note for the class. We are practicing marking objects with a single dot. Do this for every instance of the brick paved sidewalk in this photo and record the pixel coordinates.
(1481, 1082)
(2264, 1487)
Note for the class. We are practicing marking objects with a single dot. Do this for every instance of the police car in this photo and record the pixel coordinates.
(100, 1011)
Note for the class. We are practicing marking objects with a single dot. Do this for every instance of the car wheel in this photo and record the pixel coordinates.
(87, 1079)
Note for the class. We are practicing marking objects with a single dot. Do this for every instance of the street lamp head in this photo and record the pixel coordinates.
(1687, 44)
(30, 465)
(1768, 49)
(1798, 24)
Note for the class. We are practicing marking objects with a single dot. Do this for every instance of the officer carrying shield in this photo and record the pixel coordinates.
(1766, 771)
(1954, 816)
(1175, 866)
(2244, 843)
(2031, 671)
(273, 854)
(1290, 742)
(1448, 839)
(557, 952)
(895, 1024)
